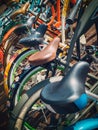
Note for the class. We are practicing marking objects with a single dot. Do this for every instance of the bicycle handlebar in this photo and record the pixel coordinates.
(73, 13)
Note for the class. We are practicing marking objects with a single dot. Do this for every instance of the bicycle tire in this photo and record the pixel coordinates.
(27, 76)
(18, 115)
(12, 40)
(16, 63)
(17, 90)
(6, 71)
(25, 103)
(5, 37)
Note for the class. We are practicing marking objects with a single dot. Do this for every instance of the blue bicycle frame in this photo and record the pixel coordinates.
(87, 124)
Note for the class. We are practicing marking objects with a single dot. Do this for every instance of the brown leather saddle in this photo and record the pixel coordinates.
(47, 54)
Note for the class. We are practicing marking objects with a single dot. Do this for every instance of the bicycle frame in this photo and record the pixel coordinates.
(79, 31)
(89, 123)
(64, 15)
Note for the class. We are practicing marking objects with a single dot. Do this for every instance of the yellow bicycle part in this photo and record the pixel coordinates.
(64, 15)
(8, 68)
(22, 10)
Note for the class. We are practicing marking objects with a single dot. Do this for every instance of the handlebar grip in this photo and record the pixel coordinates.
(73, 13)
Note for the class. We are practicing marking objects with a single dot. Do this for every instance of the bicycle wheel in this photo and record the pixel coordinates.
(30, 113)
(29, 107)
(11, 43)
(28, 80)
(6, 71)
(19, 63)
(32, 77)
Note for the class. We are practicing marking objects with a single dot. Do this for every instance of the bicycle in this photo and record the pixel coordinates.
(30, 103)
(62, 104)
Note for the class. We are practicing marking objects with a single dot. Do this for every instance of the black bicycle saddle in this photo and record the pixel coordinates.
(35, 38)
(61, 95)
